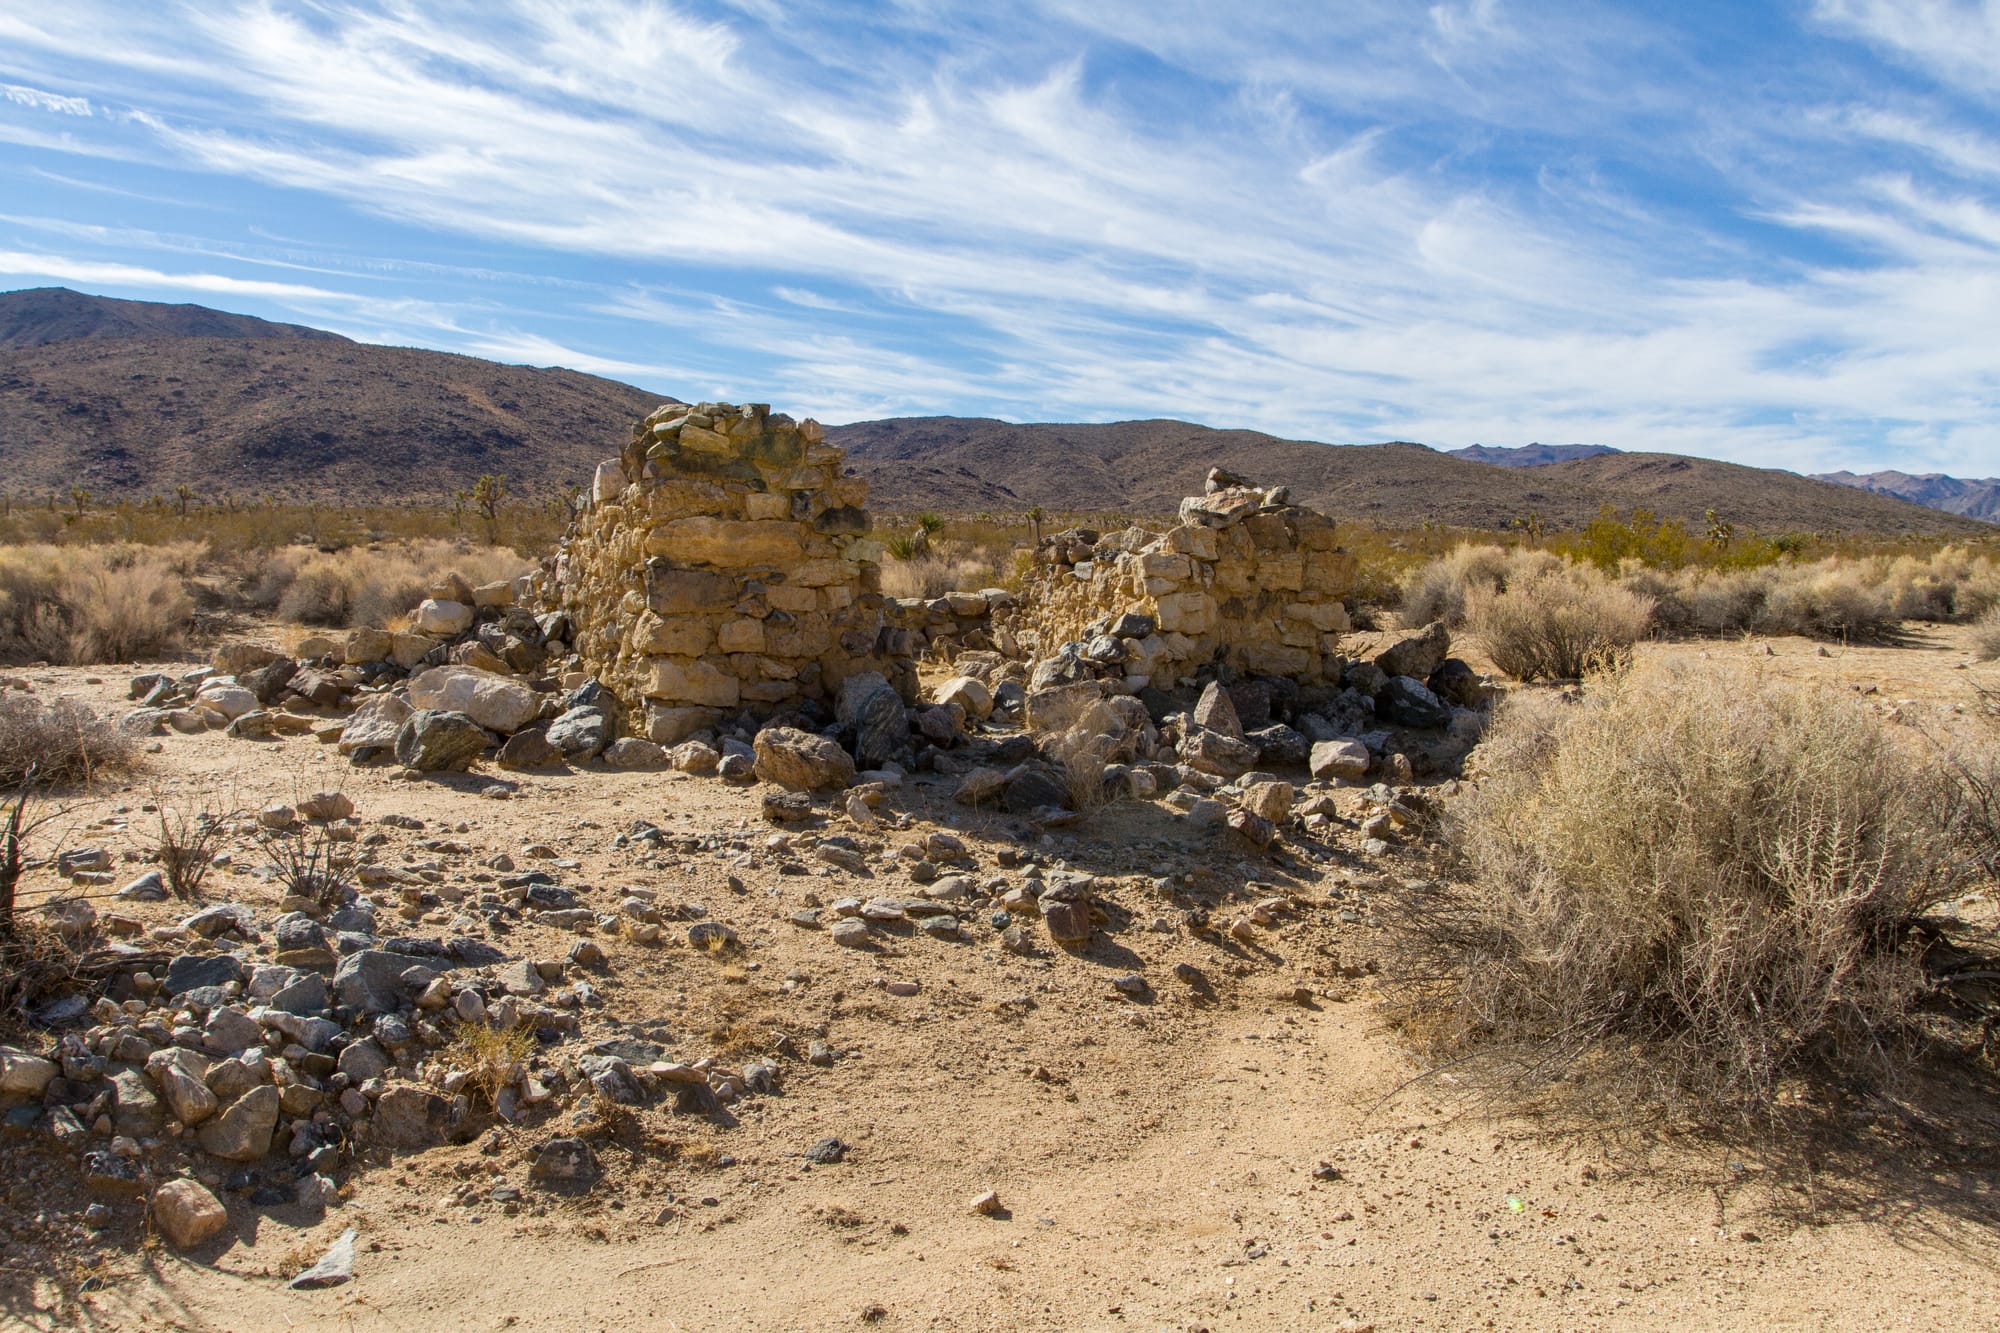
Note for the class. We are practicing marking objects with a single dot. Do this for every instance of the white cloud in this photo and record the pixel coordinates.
(1302, 228)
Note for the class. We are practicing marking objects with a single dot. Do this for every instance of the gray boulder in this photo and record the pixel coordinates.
(582, 733)
(1418, 655)
(1408, 702)
(242, 1132)
(434, 741)
(801, 761)
(870, 708)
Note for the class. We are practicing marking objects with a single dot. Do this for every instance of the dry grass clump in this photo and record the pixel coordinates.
(1558, 622)
(1684, 890)
(371, 585)
(61, 740)
(492, 1057)
(1445, 588)
(116, 603)
(190, 836)
(1986, 636)
(946, 566)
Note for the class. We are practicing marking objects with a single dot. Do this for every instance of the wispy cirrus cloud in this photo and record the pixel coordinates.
(1476, 220)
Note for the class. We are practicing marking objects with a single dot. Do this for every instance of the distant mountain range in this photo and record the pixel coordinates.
(1975, 499)
(1141, 467)
(132, 398)
(1529, 455)
(129, 398)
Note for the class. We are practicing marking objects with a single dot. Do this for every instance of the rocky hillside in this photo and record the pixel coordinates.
(125, 398)
(1978, 498)
(1146, 466)
(43, 315)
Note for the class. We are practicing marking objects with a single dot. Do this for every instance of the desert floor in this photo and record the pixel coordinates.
(1155, 1159)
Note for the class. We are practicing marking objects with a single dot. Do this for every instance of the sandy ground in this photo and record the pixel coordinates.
(1156, 1160)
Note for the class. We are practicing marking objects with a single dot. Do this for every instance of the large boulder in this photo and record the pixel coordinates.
(1344, 760)
(439, 616)
(374, 723)
(434, 740)
(870, 708)
(22, 1074)
(968, 693)
(801, 761)
(1408, 702)
(1418, 655)
(1217, 752)
(242, 1132)
(582, 733)
(495, 702)
(187, 1213)
(1216, 711)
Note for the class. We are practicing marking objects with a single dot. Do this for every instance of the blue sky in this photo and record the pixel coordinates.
(1761, 232)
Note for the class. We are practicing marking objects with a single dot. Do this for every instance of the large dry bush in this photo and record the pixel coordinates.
(1986, 636)
(1686, 888)
(947, 566)
(1559, 622)
(1445, 588)
(63, 741)
(82, 604)
(371, 585)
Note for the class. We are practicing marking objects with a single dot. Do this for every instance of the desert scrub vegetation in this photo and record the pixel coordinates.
(116, 603)
(1558, 622)
(1986, 636)
(370, 585)
(59, 741)
(1691, 889)
(1862, 597)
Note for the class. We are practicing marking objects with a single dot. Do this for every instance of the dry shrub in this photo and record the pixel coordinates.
(947, 566)
(1083, 739)
(492, 1057)
(1559, 622)
(190, 836)
(1683, 890)
(94, 604)
(371, 585)
(1986, 636)
(62, 740)
(310, 864)
(1445, 588)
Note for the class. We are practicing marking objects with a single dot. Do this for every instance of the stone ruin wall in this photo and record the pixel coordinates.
(723, 564)
(1245, 579)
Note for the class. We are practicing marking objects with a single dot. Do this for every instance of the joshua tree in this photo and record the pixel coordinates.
(487, 493)
(184, 493)
(1035, 517)
(1719, 531)
(79, 497)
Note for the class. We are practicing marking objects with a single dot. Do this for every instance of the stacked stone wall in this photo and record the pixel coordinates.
(1245, 579)
(723, 565)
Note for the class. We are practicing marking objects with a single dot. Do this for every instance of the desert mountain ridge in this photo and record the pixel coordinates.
(1973, 497)
(1529, 455)
(134, 398)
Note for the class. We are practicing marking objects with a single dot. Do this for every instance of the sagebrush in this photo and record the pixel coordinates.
(1688, 888)
(60, 739)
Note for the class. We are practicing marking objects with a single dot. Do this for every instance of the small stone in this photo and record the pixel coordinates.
(826, 1152)
(187, 1213)
(851, 933)
(987, 1204)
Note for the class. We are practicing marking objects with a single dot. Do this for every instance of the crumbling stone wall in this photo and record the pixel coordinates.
(723, 565)
(1245, 579)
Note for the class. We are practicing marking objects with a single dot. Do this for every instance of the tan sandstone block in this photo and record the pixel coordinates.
(1188, 539)
(1326, 617)
(819, 573)
(763, 504)
(1187, 613)
(728, 543)
(672, 636)
(836, 598)
(788, 597)
(681, 680)
(740, 636)
(1285, 572)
